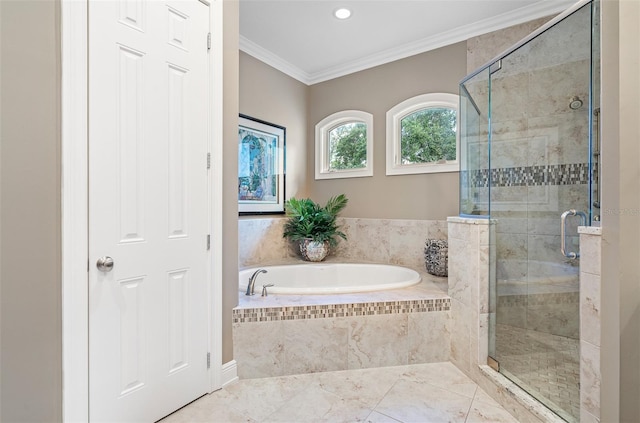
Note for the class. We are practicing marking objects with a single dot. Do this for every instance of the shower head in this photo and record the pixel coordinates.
(575, 103)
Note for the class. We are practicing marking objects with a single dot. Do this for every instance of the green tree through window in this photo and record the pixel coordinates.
(348, 146)
(428, 135)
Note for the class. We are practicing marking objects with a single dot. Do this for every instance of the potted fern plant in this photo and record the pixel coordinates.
(314, 227)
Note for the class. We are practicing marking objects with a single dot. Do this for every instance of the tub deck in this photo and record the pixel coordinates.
(429, 295)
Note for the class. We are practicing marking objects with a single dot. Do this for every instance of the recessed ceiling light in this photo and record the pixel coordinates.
(342, 13)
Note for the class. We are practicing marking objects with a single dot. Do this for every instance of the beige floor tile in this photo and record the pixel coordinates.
(410, 401)
(434, 392)
(314, 404)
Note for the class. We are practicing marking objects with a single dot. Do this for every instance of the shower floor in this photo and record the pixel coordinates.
(545, 365)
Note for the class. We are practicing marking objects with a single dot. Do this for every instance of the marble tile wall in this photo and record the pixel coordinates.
(391, 241)
(539, 146)
(590, 283)
(308, 345)
(470, 264)
(471, 267)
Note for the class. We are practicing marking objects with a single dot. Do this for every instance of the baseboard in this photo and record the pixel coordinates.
(229, 373)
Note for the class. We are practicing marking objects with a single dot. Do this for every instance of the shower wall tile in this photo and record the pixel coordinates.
(558, 139)
(590, 319)
(470, 304)
(553, 47)
(483, 48)
(506, 197)
(590, 323)
(459, 270)
(590, 379)
(546, 249)
(509, 95)
(551, 89)
(480, 291)
(512, 312)
(510, 222)
(590, 254)
(556, 319)
(478, 340)
(512, 247)
(461, 323)
(543, 222)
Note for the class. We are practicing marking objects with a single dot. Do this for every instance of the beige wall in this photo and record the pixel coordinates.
(230, 174)
(272, 96)
(30, 257)
(621, 211)
(376, 90)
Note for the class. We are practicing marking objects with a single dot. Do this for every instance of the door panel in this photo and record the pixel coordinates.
(148, 207)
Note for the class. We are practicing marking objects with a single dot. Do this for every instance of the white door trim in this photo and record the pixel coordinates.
(75, 217)
(75, 251)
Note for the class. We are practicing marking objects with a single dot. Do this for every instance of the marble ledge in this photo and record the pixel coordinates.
(590, 230)
(520, 396)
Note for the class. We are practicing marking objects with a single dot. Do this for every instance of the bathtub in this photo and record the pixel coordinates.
(329, 278)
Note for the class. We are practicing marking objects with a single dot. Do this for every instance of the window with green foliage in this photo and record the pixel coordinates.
(344, 145)
(348, 146)
(422, 135)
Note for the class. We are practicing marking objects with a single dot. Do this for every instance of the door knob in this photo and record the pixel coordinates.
(105, 264)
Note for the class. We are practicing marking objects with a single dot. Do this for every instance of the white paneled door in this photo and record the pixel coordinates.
(148, 207)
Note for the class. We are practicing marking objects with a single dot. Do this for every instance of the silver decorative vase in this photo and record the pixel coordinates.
(436, 257)
(314, 251)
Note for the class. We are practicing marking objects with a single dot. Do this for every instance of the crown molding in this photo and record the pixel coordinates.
(273, 60)
(463, 33)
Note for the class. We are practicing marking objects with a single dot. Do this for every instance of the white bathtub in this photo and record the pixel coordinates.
(329, 278)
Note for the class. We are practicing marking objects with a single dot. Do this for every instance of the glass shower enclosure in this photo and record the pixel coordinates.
(527, 163)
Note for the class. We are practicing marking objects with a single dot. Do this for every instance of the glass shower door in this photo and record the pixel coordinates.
(539, 132)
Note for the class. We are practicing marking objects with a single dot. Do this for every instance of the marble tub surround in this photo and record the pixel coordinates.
(590, 333)
(435, 392)
(293, 334)
(260, 241)
(389, 241)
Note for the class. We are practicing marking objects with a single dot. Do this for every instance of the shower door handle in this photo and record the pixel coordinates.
(563, 223)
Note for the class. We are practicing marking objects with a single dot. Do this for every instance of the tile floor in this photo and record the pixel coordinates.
(435, 392)
(546, 365)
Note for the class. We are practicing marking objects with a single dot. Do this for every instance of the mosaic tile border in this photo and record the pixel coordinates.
(272, 314)
(561, 174)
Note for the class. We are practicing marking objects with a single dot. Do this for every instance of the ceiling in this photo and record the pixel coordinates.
(303, 39)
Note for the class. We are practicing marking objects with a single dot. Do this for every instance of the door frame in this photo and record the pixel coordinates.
(75, 214)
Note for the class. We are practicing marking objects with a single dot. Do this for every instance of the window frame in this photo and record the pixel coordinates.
(406, 108)
(322, 159)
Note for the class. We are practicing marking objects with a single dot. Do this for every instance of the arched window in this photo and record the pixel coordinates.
(422, 135)
(344, 145)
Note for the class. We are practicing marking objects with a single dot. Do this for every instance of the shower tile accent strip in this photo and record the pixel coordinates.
(561, 174)
(272, 314)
